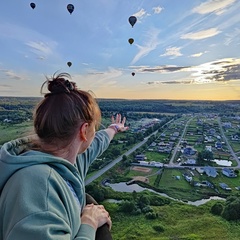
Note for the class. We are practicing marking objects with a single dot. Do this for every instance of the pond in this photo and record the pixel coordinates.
(123, 187)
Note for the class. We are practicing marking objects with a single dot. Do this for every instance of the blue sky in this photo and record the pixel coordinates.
(188, 49)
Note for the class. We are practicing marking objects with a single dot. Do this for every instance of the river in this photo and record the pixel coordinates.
(123, 187)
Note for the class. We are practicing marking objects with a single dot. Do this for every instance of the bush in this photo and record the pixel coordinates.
(150, 215)
(217, 209)
(147, 209)
(158, 228)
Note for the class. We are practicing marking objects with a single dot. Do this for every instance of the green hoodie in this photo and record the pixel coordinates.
(41, 196)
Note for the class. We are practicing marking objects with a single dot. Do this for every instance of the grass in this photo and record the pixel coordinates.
(179, 221)
(13, 131)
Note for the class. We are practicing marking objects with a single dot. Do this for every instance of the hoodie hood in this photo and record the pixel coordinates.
(14, 155)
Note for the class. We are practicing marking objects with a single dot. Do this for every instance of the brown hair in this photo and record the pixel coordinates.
(63, 110)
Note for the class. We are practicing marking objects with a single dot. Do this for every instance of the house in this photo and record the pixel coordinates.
(210, 171)
(187, 177)
(227, 125)
(208, 148)
(190, 162)
(212, 131)
(140, 157)
(225, 186)
(189, 151)
(143, 163)
(235, 137)
(200, 170)
(156, 164)
(218, 145)
(229, 172)
(207, 183)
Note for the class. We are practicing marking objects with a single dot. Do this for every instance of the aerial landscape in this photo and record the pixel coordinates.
(173, 70)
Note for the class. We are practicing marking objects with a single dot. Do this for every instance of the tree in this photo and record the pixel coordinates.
(217, 209)
(127, 206)
(232, 209)
(207, 155)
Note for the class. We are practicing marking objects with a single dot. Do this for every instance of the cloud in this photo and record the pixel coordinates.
(232, 36)
(172, 51)
(95, 80)
(198, 54)
(217, 71)
(12, 75)
(168, 82)
(157, 10)
(140, 14)
(41, 49)
(201, 34)
(215, 6)
(223, 70)
(162, 69)
(151, 43)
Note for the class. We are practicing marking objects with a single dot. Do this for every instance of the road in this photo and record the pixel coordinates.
(228, 145)
(177, 146)
(117, 160)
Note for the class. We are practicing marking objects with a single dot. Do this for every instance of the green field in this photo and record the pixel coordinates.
(177, 221)
(13, 131)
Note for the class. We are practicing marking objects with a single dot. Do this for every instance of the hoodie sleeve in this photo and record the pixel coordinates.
(98, 146)
(47, 225)
(36, 203)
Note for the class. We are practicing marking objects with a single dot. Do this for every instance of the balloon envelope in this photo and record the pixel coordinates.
(69, 64)
(70, 8)
(132, 20)
(33, 5)
(131, 40)
(133, 73)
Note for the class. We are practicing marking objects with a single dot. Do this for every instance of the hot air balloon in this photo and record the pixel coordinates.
(131, 40)
(69, 64)
(33, 5)
(70, 8)
(132, 20)
(133, 74)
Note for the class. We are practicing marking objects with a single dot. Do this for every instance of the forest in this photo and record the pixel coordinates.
(19, 109)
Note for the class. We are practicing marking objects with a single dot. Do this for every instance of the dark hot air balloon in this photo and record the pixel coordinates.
(69, 64)
(70, 8)
(132, 20)
(131, 40)
(133, 74)
(33, 5)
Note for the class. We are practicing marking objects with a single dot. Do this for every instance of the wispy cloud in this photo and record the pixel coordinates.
(172, 51)
(201, 34)
(162, 69)
(95, 80)
(41, 49)
(157, 9)
(233, 36)
(215, 6)
(150, 44)
(198, 54)
(140, 14)
(12, 75)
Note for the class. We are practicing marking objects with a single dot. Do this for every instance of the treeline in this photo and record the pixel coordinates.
(169, 106)
(19, 109)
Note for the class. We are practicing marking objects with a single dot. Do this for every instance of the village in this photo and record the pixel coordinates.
(204, 149)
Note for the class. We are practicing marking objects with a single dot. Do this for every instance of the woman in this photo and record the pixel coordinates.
(42, 176)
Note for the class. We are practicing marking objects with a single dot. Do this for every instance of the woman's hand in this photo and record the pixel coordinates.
(95, 216)
(118, 123)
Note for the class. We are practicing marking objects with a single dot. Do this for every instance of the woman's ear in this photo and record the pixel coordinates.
(83, 132)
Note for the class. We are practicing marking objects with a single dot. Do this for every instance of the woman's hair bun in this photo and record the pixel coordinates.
(60, 84)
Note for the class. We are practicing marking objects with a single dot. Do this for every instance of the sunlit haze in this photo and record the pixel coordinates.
(182, 49)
